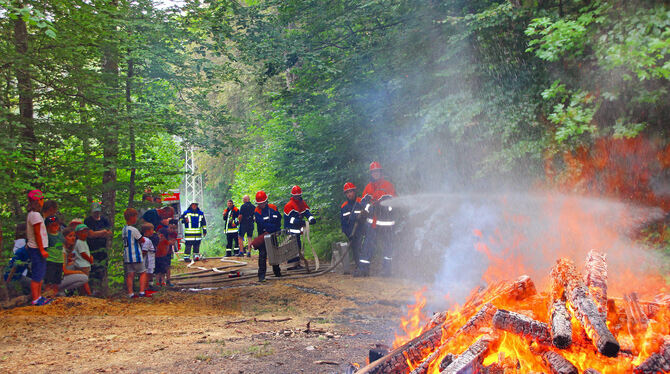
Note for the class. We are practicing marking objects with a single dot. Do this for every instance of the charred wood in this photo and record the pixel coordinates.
(470, 361)
(596, 279)
(585, 309)
(656, 363)
(520, 289)
(522, 325)
(396, 360)
(558, 364)
(561, 328)
(429, 340)
(636, 319)
(446, 361)
(481, 319)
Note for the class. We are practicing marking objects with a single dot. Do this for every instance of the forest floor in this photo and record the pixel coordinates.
(247, 327)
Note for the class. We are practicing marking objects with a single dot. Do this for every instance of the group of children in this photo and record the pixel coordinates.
(59, 256)
(52, 256)
(147, 252)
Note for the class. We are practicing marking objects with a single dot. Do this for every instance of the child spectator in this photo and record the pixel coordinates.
(37, 239)
(75, 222)
(162, 257)
(72, 278)
(148, 253)
(55, 260)
(173, 230)
(82, 254)
(132, 254)
(19, 266)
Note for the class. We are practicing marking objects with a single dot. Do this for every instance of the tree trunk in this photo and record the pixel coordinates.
(25, 88)
(131, 135)
(110, 127)
(4, 293)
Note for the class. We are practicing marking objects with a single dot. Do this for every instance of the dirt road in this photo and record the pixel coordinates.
(247, 328)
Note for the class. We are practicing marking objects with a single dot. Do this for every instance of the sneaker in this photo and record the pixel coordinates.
(249, 254)
(186, 259)
(132, 296)
(262, 280)
(162, 284)
(295, 267)
(149, 292)
(42, 301)
(145, 295)
(196, 258)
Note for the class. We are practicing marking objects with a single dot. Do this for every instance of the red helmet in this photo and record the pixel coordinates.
(261, 197)
(296, 190)
(349, 186)
(375, 166)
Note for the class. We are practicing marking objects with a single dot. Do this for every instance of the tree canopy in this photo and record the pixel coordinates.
(98, 97)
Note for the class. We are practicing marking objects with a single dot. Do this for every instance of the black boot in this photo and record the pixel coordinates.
(277, 270)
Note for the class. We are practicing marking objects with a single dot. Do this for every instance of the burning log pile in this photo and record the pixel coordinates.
(573, 328)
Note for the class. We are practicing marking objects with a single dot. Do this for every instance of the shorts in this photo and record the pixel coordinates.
(248, 231)
(54, 273)
(134, 267)
(162, 265)
(38, 264)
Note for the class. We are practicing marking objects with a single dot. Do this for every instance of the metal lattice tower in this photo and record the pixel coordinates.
(192, 181)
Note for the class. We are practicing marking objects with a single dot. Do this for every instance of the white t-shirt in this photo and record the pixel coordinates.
(33, 218)
(18, 244)
(148, 245)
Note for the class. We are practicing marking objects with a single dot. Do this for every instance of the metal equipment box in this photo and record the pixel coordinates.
(281, 247)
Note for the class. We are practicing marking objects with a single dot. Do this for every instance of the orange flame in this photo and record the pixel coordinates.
(412, 324)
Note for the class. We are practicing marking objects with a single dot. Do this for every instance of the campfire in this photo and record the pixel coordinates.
(510, 327)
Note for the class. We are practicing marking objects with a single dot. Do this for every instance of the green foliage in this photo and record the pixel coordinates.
(574, 118)
(447, 95)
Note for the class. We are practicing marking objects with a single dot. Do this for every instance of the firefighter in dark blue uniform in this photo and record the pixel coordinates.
(350, 212)
(268, 221)
(295, 211)
(231, 226)
(380, 222)
(195, 228)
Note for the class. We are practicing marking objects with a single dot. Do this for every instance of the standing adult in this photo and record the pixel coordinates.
(380, 222)
(295, 213)
(246, 218)
(159, 217)
(99, 232)
(268, 221)
(195, 228)
(350, 212)
(231, 225)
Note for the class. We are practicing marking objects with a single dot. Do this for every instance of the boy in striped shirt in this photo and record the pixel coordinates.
(132, 254)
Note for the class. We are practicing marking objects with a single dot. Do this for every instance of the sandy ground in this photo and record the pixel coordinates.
(238, 329)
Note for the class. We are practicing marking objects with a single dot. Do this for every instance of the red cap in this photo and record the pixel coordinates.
(375, 166)
(261, 197)
(296, 190)
(349, 186)
(35, 195)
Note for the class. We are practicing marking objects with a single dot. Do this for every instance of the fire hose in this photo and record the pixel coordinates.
(254, 274)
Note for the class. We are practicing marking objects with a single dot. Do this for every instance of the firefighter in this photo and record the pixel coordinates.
(268, 221)
(295, 212)
(195, 228)
(379, 221)
(231, 224)
(350, 211)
